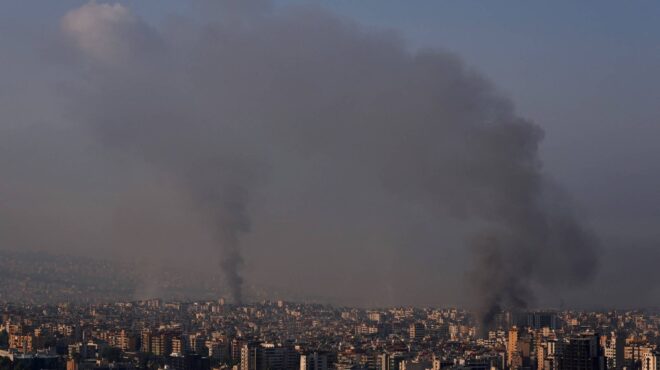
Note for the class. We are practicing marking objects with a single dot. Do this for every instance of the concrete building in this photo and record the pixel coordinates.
(582, 353)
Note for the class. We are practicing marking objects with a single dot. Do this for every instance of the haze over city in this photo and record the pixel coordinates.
(329, 185)
(476, 154)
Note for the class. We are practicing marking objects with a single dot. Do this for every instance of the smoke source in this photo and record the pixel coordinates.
(254, 102)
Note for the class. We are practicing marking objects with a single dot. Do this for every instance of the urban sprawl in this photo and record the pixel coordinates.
(154, 334)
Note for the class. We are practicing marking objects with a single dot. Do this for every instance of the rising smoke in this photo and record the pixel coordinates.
(252, 103)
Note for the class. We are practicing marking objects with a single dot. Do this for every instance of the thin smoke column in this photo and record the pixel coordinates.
(227, 204)
(254, 97)
(133, 103)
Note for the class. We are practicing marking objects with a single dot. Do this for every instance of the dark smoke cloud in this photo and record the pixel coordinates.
(544, 244)
(299, 135)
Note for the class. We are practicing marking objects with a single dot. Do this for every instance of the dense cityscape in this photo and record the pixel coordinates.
(279, 335)
(329, 185)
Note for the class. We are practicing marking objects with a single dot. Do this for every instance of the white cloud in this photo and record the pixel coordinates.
(107, 32)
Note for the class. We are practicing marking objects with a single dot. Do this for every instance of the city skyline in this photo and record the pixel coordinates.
(281, 335)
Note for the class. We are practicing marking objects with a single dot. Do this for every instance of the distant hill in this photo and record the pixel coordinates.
(28, 276)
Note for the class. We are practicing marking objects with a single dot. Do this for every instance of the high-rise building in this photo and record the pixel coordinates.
(417, 331)
(609, 344)
(268, 356)
(388, 361)
(525, 350)
(546, 354)
(512, 348)
(161, 344)
(383, 362)
(188, 362)
(374, 316)
(538, 320)
(127, 341)
(535, 320)
(178, 345)
(250, 356)
(285, 355)
(145, 344)
(639, 356)
(314, 361)
(235, 349)
(582, 353)
(218, 350)
(436, 364)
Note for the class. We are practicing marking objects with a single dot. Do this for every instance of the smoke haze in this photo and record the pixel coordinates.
(295, 148)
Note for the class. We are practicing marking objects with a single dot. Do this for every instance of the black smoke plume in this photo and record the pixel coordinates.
(248, 103)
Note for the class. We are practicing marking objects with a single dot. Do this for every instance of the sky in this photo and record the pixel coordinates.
(586, 73)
